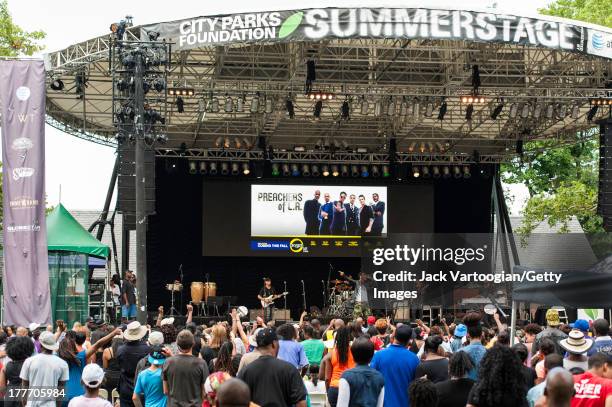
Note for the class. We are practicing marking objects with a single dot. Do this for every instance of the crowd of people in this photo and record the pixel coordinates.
(362, 363)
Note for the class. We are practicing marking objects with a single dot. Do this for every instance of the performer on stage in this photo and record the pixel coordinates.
(363, 291)
(326, 214)
(311, 214)
(338, 226)
(379, 210)
(267, 294)
(352, 217)
(366, 217)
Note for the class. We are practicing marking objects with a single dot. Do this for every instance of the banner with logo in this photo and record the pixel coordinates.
(26, 269)
(319, 24)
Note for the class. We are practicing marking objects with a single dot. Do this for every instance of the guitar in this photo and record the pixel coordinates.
(267, 301)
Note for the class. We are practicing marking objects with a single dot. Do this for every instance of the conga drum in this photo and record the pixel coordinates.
(210, 290)
(197, 291)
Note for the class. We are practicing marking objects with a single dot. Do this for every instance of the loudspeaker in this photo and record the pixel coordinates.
(283, 314)
(604, 199)
(126, 183)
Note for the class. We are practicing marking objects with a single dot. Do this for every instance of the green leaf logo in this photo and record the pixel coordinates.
(290, 24)
(591, 313)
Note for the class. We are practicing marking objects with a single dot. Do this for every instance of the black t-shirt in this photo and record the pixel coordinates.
(128, 356)
(266, 292)
(127, 288)
(273, 382)
(454, 393)
(209, 354)
(185, 375)
(436, 370)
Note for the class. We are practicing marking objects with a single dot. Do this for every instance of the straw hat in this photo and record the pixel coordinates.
(576, 342)
(134, 331)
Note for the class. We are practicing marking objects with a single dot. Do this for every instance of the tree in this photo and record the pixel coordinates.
(562, 181)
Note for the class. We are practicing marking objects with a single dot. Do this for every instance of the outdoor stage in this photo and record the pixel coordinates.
(423, 105)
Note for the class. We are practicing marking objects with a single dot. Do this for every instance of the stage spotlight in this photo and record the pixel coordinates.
(592, 112)
(214, 105)
(525, 111)
(537, 111)
(240, 104)
(203, 168)
(344, 170)
(315, 170)
(246, 170)
(193, 169)
(575, 111)
(457, 172)
(161, 138)
(391, 107)
(290, 108)
(362, 150)
(286, 170)
(159, 85)
(513, 110)
(213, 168)
(429, 109)
(364, 106)
(235, 169)
(299, 149)
(325, 170)
(562, 111)
(334, 170)
(497, 111)
(57, 84)
(345, 110)
(415, 171)
(375, 171)
(225, 168)
(364, 171)
(435, 171)
(345, 145)
(255, 103)
(295, 171)
(275, 170)
(238, 142)
(269, 106)
(442, 112)
(422, 148)
(466, 171)
(550, 111)
(226, 142)
(469, 111)
(354, 171)
(411, 147)
(247, 143)
(229, 104)
(425, 172)
(317, 110)
(386, 173)
(378, 107)
(218, 141)
(446, 172)
(180, 104)
(306, 170)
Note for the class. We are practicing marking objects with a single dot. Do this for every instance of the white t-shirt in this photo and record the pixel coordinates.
(82, 401)
(43, 370)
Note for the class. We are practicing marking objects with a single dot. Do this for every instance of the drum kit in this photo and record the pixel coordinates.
(200, 293)
(341, 299)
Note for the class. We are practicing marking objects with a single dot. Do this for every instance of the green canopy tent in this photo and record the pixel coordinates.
(70, 246)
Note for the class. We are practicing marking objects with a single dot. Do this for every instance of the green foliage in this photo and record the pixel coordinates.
(592, 11)
(14, 41)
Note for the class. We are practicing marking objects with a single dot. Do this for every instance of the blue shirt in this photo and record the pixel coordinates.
(73, 386)
(476, 352)
(535, 393)
(149, 383)
(398, 366)
(292, 352)
(603, 345)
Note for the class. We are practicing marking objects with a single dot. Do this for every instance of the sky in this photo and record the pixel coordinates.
(81, 169)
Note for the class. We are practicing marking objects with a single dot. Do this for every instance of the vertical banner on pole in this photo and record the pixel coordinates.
(26, 268)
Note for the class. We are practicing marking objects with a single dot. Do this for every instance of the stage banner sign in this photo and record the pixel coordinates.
(26, 269)
(401, 23)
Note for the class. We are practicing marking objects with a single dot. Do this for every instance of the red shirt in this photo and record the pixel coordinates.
(591, 390)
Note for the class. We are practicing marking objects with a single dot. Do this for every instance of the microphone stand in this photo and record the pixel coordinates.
(304, 294)
(324, 294)
(284, 296)
(181, 275)
(326, 297)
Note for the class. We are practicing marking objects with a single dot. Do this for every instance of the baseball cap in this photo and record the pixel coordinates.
(156, 338)
(33, 326)
(552, 317)
(266, 337)
(371, 320)
(403, 333)
(460, 331)
(156, 357)
(92, 375)
(581, 325)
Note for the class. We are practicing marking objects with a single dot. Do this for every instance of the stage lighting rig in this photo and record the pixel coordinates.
(255, 103)
(275, 170)
(601, 102)
(326, 170)
(173, 91)
(203, 168)
(193, 169)
(334, 170)
(57, 84)
(364, 106)
(229, 104)
(318, 95)
(473, 99)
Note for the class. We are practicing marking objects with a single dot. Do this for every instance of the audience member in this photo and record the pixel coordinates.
(361, 385)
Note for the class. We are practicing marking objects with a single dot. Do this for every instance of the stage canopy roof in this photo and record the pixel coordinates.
(64, 233)
(397, 68)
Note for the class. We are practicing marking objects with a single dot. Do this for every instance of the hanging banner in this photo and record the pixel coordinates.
(407, 23)
(26, 269)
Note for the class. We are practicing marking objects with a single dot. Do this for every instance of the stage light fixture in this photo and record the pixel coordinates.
(446, 172)
(497, 110)
(416, 108)
(439, 146)
(362, 150)
(181, 91)
(275, 170)
(235, 169)
(290, 108)
(121, 137)
(411, 147)
(429, 109)
(57, 84)
(315, 170)
(422, 148)
(345, 110)
(161, 138)
(213, 168)
(295, 171)
(354, 171)
(425, 172)
(550, 111)
(247, 143)
(229, 104)
(442, 111)
(203, 168)
(255, 103)
(299, 149)
(344, 170)
(345, 145)
(122, 84)
(391, 107)
(435, 171)
(575, 111)
(193, 169)
(562, 111)
(334, 170)
(286, 170)
(364, 106)
(317, 95)
(469, 111)
(325, 170)
(415, 171)
(537, 110)
(226, 142)
(317, 110)
(525, 110)
(238, 142)
(364, 171)
(246, 170)
(225, 168)
(592, 112)
(601, 101)
(473, 99)
(386, 173)
(466, 171)
(159, 85)
(375, 171)
(378, 107)
(219, 141)
(180, 105)
(214, 105)
(513, 110)
(306, 170)
(240, 104)
(457, 172)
